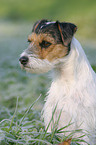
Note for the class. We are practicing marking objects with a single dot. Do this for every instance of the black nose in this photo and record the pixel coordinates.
(23, 60)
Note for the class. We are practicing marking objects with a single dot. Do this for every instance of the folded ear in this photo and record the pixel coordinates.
(67, 31)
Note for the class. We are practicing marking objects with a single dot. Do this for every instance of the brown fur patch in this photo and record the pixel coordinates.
(55, 50)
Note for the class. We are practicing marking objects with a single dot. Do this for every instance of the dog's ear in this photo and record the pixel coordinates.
(67, 31)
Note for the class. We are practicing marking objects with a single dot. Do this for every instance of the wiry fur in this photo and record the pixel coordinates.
(73, 89)
(36, 65)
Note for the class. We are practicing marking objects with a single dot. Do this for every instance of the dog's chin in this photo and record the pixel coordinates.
(36, 70)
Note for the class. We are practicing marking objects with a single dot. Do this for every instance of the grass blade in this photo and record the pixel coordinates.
(14, 114)
(29, 110)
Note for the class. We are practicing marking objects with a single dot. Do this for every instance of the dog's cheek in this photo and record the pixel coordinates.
(59, 51)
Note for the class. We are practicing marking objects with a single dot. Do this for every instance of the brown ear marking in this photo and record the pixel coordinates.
(37, 25)
(60, 32)
(67, 31)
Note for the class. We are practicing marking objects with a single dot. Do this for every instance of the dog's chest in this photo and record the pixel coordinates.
(64, 97)
(74, 102)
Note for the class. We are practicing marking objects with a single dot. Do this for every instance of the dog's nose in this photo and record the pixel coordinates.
(23, 60)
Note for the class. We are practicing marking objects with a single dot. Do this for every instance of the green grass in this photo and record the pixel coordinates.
(94, 68)
(25, 127)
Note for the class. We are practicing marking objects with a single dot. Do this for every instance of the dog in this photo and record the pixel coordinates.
(52, 46)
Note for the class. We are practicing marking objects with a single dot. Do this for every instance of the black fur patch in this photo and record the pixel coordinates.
(50, 28)
(57, 30)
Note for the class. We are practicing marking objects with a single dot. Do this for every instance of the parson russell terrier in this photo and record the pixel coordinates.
(52, 46)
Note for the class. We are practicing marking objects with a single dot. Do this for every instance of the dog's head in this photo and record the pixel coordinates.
(48, 44)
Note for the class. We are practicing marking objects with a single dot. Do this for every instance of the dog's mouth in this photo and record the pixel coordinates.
(35, 65)
(24, 66)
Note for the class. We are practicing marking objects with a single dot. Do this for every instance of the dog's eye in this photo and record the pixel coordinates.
(29, 41)
(45, 44)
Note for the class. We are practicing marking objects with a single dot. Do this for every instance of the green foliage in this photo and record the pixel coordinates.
(25, 127)
(30, 9)
(94, 68)
(80, 12)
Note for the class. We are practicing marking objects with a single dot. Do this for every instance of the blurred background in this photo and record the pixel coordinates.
(16, 20)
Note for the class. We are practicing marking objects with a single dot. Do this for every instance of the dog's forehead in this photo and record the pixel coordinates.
(44, 27)
(47, 24)
(39, 37)
(49, 28)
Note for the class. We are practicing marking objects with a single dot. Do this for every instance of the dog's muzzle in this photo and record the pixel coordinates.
(24, 60)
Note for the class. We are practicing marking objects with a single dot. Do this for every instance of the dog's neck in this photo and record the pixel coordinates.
(65, 70)
(74, 67)
(71, 76)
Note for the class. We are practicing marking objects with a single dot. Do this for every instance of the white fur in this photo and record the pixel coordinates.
(73, 90)
(36, 65)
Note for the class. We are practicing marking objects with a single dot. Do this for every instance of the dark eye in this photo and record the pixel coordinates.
(45, 44)
(29, 41)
